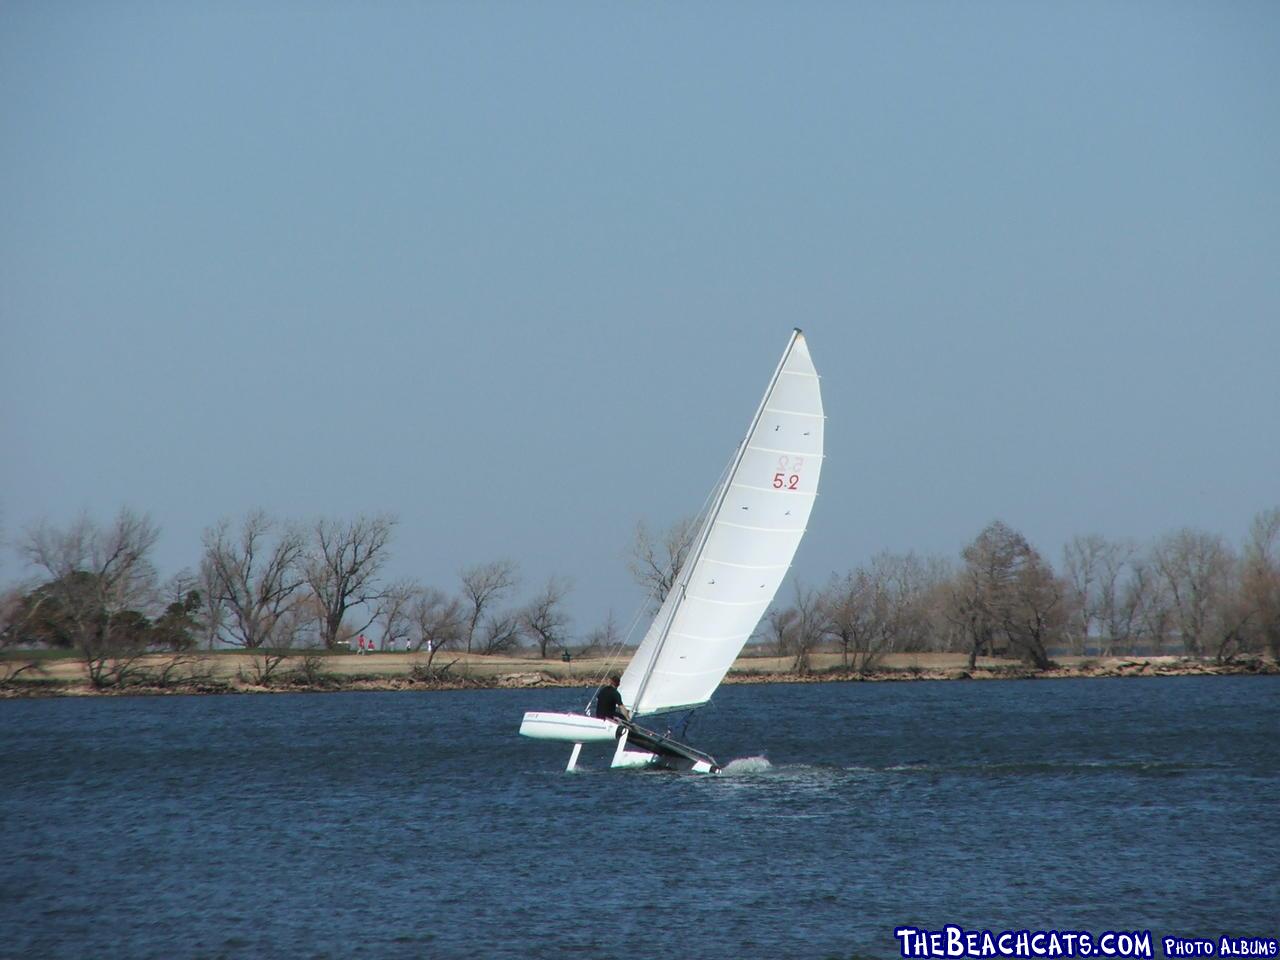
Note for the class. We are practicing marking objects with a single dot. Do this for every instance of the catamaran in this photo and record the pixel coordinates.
(742, 550)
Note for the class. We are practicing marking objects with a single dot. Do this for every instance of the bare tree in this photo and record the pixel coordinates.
(808, 627)
(798, 629)
(1034, 619)
(1123, 593)
(1083, 558)
(180, 668)
(1229, 631)
(544, 620)
(1196, 570)
(1260, 584)
(909, 583)
(655, 563)
(851, 616)
(103, 583)
(394, 613)
(213, 611)
(15, 613)
(880, 607)
(604, 638)
(438, 622)
(1118, 596)
(939, 630)
(288, 632)
(981, 589)
(1006, 590)
(257, 576)
(342, 567)
(500, 633)
(483, 587)
(1156, 617)
(778, 629)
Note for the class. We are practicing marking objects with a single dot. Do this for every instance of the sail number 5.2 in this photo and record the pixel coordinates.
(788, 475)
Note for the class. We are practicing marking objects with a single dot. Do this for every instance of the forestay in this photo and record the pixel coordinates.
(742, 551)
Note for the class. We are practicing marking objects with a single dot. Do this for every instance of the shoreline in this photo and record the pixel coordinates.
(207, 676)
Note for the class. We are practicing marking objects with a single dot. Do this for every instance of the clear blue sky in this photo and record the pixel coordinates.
(518, 273)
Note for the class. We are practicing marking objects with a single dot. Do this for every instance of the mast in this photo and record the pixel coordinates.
(686, 571)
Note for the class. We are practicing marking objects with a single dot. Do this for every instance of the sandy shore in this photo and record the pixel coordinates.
(239, 672)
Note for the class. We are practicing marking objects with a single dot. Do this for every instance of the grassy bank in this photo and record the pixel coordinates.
(59, 674)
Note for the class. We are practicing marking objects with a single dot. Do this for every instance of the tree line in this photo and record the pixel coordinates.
(276, 587)
(1188, 592)
(264, 585)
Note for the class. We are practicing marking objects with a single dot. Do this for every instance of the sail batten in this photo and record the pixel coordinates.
(737, 567)
(791, 453)
(693, 636)
(744, 526)
(794, 413)
(794, 493)
(726, 603)
(747, 566)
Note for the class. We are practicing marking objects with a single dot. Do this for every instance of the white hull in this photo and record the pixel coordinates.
(578, 729)
(625, 759)
(568, 728)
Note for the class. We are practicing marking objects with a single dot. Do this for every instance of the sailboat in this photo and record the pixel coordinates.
(738, 558)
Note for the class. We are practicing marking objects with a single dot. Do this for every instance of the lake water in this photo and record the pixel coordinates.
(419, 824)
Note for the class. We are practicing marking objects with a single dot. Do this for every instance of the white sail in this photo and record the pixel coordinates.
(743, 550)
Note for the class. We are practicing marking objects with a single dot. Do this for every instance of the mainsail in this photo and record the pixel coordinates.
(742, 550)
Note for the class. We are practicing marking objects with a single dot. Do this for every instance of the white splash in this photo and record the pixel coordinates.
(746, 765)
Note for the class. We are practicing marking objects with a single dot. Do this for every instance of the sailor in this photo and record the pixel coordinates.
(609, 701)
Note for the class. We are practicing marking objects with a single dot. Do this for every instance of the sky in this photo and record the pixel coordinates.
(518, 274)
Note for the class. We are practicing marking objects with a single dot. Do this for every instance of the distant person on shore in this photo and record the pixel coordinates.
(609, 701)
(362, 643)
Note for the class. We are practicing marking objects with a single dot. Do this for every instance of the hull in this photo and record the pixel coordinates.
(664, 752)
(568, 728)
(635, 745)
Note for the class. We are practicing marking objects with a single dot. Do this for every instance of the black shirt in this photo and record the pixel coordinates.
(608, 700)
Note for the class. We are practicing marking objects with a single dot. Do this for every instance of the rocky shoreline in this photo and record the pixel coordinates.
(30, 686)
(1129, 667)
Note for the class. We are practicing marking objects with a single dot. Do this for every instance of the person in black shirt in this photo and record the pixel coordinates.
(609, 701)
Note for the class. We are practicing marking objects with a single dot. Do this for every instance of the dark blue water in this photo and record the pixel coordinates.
(420, 825)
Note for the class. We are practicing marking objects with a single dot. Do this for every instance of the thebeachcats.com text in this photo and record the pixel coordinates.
(952, 941)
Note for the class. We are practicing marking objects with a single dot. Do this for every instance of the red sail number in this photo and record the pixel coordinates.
(784, 478)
